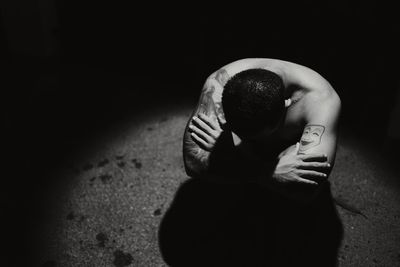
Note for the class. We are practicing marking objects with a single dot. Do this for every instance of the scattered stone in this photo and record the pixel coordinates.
(121, 164)
(92, 179)
(105, 178)
(137, 163)
(81, 218)
(122, 259)
(119, 157)
(157, 212)
(103, 163)
(102, 239)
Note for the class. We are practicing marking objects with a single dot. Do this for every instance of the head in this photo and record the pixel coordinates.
(254, 103)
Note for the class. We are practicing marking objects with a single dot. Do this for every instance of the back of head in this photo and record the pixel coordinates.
(253, 100)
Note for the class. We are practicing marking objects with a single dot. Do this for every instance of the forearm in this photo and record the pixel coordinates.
(197, 159)
(320, 133)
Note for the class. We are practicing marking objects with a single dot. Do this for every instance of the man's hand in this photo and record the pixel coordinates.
(300, 169)
(205, 131)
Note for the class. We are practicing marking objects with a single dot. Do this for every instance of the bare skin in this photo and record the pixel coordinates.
(303, 144)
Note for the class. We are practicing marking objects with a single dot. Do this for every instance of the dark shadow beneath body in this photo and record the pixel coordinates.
(246, 225)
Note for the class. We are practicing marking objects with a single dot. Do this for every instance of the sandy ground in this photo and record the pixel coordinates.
(107, 206)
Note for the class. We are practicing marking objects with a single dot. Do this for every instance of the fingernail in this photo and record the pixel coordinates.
(329, 165)
(195, 118)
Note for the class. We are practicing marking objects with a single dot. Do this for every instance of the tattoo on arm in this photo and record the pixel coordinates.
(207, 105)
(210, 106)
(311, 137)
(222, 77)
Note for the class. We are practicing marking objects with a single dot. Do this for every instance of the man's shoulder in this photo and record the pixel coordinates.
(240, 65)
(321, 103)
(325, 97)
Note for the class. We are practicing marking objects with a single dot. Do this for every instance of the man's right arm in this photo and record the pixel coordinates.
(196, 159)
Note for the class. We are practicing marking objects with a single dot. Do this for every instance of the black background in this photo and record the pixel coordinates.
(106, 54)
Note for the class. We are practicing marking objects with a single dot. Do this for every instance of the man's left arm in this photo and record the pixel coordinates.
(320, 132)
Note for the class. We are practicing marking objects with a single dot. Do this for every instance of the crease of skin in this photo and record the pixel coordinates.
(210, 105)
(347, 206)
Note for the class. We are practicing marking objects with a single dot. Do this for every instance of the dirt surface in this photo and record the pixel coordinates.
(107, 209)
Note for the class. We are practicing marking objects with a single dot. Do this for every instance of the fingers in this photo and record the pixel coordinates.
(207, 125)
(313, 157)
(314, 165)
(305, 181)
(202, 124)
(310, 174)
(209, 121)
(205, 136)
(203, 144)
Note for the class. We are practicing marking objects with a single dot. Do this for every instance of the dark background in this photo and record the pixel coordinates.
(71, 68)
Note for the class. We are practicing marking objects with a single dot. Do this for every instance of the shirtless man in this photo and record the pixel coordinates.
(279, 117)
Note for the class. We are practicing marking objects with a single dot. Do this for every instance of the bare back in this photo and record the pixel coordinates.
(312, 108)
(308, 95)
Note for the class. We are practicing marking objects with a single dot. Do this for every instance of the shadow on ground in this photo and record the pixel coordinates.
(235, 225)
(96, 161)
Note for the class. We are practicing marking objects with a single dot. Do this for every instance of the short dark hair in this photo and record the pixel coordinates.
(253, 100)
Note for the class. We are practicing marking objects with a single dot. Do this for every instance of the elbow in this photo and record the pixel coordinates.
(338, 103)
(190, 168)
(187, 166)
(335, 101)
